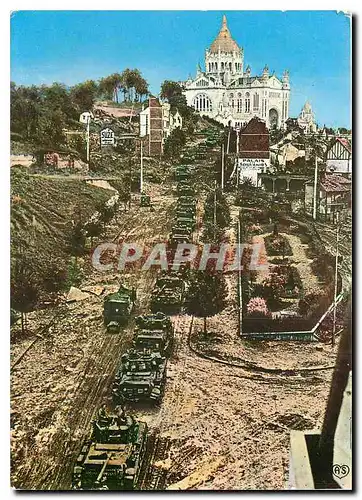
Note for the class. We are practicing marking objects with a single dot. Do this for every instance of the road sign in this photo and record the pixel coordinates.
(107, 137)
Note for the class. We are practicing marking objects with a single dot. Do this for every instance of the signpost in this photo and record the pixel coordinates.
(86, 118)
(107, 137)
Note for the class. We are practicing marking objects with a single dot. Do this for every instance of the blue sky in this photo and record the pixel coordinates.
(72, 46)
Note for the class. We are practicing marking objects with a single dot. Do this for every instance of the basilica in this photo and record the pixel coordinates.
(229, 94)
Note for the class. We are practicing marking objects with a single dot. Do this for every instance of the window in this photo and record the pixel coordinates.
(202, 103)
(240, 106)
(256, 102)
(247, 102)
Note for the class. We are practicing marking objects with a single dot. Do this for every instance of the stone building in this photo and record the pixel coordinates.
(229, 93)
(306, 119)
(156, 123)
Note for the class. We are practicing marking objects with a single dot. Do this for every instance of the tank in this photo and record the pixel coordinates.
(168, 294)
(145, 200)
(183, 172)
(158, 321)
(153, 341)
(141, 377)
(185, 188)
(111, 458)
(118, 308)
(186, 221)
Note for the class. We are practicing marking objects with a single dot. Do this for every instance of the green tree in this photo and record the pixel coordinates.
(174, 143)
(24, 285)
(83, 95)
(207, 295)
(110, 86)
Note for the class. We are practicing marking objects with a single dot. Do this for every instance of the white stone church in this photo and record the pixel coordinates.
(227, 93)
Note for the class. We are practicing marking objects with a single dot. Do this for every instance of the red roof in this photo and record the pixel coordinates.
(345, 143)
(254, 140)
(335, 183)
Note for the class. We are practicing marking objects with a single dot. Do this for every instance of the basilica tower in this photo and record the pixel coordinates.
(224, 59)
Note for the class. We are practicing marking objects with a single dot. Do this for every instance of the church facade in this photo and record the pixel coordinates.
(229, 94)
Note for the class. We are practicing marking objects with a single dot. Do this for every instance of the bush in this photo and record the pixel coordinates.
(257, 307)
(277, 245)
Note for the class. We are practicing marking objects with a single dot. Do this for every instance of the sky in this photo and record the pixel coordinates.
(73, 46)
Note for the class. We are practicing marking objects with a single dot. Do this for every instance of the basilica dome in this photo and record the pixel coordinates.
(223, 41)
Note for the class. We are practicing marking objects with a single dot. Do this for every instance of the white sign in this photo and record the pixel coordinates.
(85, 117)
(253, 163)
(107, 137)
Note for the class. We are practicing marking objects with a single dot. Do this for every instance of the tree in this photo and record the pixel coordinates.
(24, 285)
(172, 91)
(83, 95)
(257, 307)
(216, 204)
(207, 295)
(174, 143)
(110, 86)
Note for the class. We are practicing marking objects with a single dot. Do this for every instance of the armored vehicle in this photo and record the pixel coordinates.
(168, 293)
(158, 321)
(179, 235)
(183, 172)
(185, 188)
(145, 200)
(141, 377)
(186, 201)
(111, 458)
(187, 222)
(153, 341)
(118, 308)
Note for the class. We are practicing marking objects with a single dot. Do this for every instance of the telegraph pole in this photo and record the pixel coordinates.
(335, 284)
(315, 188)
(88, 124)
(141, 177)
(214, 210)
(222, 167)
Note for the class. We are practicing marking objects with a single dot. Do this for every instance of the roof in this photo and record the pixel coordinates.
(335, 183)
(224, 41)
(345, 143)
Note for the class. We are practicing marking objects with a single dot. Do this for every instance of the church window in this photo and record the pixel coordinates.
(202, 103)
(231, 96)
(239, 95)
(240, 106)
(222, 66)
(256, 102)
(247, 102)
(230, 66)
(216, 66)
(236, 66)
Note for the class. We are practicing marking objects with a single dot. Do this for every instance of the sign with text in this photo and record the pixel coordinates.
(107, 137)
(253, 163)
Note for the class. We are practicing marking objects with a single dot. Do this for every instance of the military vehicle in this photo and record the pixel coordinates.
(168, 294)
(153, 341)
(158, 321)
(141, 377)
(185, 188)
(118, 307)
(183, 172)
(188, 222)
(145, 200)
(111, 458)
(188, 201)
(154, 333)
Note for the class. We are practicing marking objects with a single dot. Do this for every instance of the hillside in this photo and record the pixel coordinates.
(42, 209)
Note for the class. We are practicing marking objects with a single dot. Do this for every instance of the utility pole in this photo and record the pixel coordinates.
(227, 149)
(141, 177)
(335, 284)
(315, 188)
(214, 210)
(222, 167)
(88, 124)
(130, 182)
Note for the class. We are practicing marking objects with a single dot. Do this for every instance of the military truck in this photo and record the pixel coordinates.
(111, 458)
(118, 307)
(186, 201)
(141, 377)
(179, 235)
